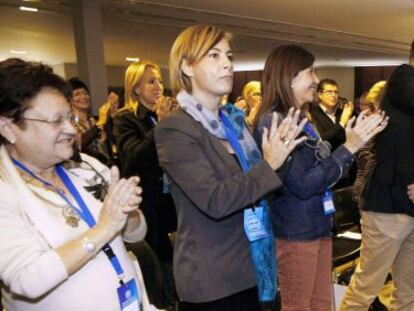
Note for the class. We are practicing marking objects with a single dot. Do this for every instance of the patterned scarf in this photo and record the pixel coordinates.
(262, 251)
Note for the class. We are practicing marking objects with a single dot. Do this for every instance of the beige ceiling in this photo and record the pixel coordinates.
(338, 32)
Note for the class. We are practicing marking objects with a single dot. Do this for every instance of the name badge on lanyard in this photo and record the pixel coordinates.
(328, 203)
(253, 224)
(128, 296)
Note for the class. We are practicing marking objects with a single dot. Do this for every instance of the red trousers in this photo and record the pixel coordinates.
(304, 269)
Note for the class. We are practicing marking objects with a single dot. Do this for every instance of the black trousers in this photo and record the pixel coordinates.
(242, 301)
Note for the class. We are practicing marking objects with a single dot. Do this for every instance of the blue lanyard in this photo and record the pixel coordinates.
(153, 120)
(83, 210)
(328, 195)
(233, 140)
(310, 130)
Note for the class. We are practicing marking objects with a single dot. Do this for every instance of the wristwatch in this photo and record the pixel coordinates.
(88, 245)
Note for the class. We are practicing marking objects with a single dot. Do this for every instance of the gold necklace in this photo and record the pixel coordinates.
(68, 212)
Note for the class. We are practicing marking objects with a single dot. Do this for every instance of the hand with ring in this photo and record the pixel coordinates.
(366, 127)
(280, 140)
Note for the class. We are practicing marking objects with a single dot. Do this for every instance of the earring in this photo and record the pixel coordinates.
(291, 86)
(12, 141)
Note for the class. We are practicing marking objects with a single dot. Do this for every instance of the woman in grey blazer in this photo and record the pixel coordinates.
(215, 180)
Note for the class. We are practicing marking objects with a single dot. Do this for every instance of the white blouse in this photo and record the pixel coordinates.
(32, 227)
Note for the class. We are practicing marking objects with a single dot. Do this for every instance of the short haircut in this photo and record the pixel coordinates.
(21, 81)
(323, 82)
(191, 46)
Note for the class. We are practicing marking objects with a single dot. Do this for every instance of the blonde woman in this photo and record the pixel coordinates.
(134, 135)
(250, 101)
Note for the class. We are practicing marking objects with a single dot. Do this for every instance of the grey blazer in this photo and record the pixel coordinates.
(211, 255)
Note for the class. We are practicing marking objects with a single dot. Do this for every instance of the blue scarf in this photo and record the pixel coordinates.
(262, 251)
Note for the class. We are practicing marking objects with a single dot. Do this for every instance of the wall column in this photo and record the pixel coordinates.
(87, 27)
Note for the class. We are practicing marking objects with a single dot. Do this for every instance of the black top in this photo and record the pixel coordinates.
(334, 133)
(386, 192)
(134, 136)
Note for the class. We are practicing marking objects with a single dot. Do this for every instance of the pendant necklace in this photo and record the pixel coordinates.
(70, 215)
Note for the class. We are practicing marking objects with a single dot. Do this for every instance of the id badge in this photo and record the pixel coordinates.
(253, 224)
(165, 188)
(328, 204)
(128, 296)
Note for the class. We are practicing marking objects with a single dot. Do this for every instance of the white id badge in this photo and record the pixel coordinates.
(128, 296)
(253, 224)
(328, 204)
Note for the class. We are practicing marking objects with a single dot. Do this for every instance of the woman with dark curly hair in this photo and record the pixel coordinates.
(61, 248)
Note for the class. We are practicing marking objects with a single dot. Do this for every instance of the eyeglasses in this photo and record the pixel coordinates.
(330, 92)
(56, 122)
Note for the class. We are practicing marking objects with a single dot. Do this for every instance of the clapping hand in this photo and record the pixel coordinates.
(164, 106)
(124, 197)
(279, 141)
(366, 127)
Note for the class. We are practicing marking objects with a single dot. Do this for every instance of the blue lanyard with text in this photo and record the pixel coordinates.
(83, 210)
(254, 218)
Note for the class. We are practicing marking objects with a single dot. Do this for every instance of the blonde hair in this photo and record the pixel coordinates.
(133, 76)
(375, 93)
(191, 46)
(251, 88)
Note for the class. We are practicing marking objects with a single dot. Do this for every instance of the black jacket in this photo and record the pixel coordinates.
(134, 136)
(394, 149)
(334, 133)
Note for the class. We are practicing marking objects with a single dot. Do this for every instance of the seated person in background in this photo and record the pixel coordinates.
(58, 242)
(88, 134)
(250, 100)
(330, 120)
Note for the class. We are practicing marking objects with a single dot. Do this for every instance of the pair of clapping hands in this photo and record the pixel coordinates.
(280, 140)
(122, 200)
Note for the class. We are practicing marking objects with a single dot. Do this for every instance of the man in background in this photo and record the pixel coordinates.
(387, 215)
(329, 118)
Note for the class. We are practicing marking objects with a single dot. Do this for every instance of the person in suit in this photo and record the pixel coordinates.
(387, 216)
(215, 180)
(329, 118)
